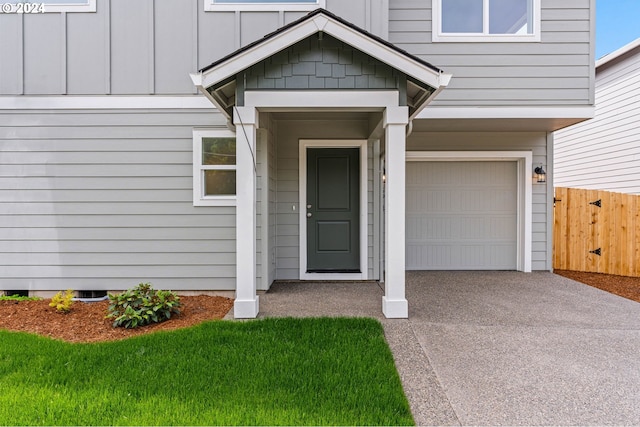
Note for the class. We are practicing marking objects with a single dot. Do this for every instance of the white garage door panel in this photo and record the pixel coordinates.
(461, 215)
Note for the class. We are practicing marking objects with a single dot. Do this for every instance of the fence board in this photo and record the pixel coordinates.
(581, 227)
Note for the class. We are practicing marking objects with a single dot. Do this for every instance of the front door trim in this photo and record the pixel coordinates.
(342, 143)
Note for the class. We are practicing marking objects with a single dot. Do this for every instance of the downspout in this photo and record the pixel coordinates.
(409, 127)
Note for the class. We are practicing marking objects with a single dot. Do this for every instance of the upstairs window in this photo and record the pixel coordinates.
(257, 5)
(214, 168)
(46, 6)
(486, 20)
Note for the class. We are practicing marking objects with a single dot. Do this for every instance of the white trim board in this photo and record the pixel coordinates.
(437, 36)
(287, 99)
(199, 198)
(575, 112)
(212, 6)
(304, 100)
(103, 102)
(525, 190)
(364, 268)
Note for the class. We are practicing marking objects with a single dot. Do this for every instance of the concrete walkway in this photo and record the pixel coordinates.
(497, 348)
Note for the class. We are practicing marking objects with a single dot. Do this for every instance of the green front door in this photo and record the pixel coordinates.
(333, 210)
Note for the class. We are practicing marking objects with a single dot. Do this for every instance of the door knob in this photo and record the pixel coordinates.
(308, 214)
(308, 206)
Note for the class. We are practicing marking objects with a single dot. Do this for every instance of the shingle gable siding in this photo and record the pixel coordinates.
(321, 64)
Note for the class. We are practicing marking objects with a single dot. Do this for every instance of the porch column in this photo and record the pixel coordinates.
(246, 304)
(394, 302)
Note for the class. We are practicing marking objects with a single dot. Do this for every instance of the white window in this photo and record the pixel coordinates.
(257, 5)
(214, 168)
(486, 20)
(47, 6)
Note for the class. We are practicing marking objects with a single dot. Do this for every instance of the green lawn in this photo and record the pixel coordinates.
(265, 372)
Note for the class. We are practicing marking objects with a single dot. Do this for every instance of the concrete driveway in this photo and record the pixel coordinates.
(497, 348)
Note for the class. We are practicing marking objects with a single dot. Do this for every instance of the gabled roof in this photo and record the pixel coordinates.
(220, 73)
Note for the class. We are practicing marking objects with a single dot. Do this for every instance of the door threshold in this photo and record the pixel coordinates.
(333, 275)
(334, 271)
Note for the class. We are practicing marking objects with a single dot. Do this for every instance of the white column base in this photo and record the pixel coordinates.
(246, 309)
(395, 309)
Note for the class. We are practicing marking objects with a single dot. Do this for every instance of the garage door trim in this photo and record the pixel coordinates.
(524, 187)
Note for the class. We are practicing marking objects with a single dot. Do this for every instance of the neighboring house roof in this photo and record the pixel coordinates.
(610, 57)
(217, 80)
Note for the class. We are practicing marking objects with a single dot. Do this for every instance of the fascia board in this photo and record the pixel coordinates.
(385, 54)
(260, 52)
(617, 53)
(336, 29)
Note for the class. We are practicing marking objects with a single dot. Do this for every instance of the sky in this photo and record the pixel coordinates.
(617, 24)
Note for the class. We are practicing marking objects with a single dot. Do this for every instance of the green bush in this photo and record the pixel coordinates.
(142, 305)
(18, 298)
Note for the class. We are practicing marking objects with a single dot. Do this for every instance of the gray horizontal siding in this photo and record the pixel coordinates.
(556, 71)
(80, 207)
(504, 141)
(603, 153)
(140, 47)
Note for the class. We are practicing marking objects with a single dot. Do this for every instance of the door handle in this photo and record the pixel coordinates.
(309, 215)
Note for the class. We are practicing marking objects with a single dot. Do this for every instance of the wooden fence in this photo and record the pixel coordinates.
(596, 231)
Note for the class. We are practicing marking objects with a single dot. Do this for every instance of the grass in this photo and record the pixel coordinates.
(266, 372)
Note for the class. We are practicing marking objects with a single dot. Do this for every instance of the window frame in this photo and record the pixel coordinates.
(199, 197)
(438, 36)
(212, 6)
(90, 6)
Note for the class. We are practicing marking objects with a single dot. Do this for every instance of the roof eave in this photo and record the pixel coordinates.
(321, 21)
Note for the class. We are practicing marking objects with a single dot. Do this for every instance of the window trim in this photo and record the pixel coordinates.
(212, 6)
(199, 198)
(66, 7)
(438, 36)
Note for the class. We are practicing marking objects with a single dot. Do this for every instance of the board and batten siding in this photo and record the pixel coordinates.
(289, 132)
(139, 47)
(556, 71)
(101, 199)
(536, 142)
(604, 153)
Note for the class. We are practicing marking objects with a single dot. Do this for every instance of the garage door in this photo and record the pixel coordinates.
(461, 215)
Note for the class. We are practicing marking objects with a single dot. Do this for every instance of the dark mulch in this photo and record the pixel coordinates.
(86, 321)
(627, 287)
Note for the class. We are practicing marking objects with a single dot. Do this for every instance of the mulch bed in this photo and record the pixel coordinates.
(86, 322)
(627, 287)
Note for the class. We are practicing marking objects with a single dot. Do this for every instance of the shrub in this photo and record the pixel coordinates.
(18, 298)
(62, 302)
(142, 305)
